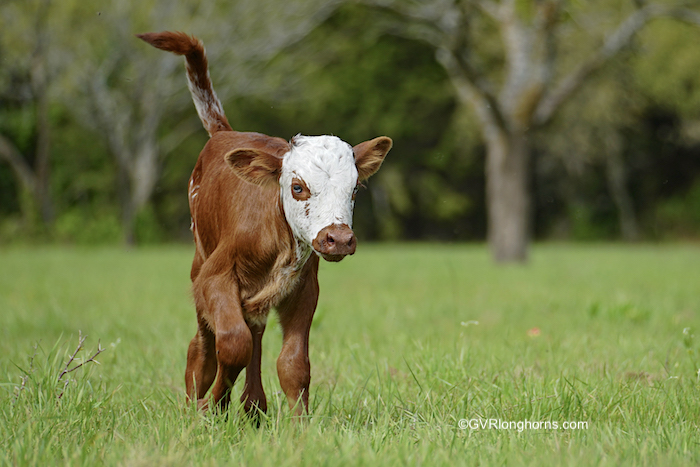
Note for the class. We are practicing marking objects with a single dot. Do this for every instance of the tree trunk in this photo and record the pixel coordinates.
(129, 225)
(617, 184)
(136, 182)
(528, 97)
(128, 214)
(508, 196)
(40, 81)
(43, 153)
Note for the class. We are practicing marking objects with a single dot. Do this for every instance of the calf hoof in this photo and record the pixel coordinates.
(256, 410)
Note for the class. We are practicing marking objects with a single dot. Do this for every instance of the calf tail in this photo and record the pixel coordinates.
(205, 100)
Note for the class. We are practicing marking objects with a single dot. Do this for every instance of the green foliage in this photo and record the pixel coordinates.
(669, 46)
(358, 82)
(88, 228)
(148, 230)
(582, 225)
(355, 77)
(679, 216)
(408, 340)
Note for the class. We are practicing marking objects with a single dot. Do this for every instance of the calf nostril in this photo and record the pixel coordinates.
(330, 240)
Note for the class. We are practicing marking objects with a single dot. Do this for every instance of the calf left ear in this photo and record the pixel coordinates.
(370, 155)
(254, 165)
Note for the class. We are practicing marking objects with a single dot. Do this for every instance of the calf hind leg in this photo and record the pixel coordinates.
(253, 397)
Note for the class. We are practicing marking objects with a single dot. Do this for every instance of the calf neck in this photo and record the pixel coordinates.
(264, 210)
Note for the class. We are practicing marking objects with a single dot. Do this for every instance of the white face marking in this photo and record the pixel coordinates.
(326, 164)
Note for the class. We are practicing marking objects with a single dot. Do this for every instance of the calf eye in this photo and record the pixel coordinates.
(300, 191)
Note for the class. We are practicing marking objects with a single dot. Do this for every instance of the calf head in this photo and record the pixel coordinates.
(318, 179)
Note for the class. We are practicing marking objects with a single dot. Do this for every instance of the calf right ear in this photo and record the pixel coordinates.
(255, 166)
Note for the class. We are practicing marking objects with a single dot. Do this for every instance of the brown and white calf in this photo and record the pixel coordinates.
(263, 211)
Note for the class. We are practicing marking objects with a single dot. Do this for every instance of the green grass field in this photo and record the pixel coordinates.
(407, 341)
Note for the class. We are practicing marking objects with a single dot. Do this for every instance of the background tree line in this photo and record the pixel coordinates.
(594, 106)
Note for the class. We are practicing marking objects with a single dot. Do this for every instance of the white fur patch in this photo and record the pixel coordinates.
(205, 101)
(327, 165)
(257, 320)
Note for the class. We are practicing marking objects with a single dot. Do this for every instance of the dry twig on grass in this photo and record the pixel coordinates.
(67, 369)
(27, 374)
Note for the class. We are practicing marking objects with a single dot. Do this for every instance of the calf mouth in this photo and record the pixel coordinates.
(331, 258)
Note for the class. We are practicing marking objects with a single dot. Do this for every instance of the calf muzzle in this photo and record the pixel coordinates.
(335, 242)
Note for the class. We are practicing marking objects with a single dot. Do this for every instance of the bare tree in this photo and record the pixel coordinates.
(34, 177)
(132, 88)
(523, 97)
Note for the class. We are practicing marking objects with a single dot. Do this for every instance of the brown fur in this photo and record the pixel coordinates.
(245, 264)
(247, 260)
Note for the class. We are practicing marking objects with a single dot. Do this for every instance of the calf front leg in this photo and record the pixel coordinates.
(218, 304)
(296, 313)
(234, 347)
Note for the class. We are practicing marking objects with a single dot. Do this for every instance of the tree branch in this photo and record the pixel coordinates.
(686, 15)
(180, 133)
(485, 105)
(615, 42)
(432, 24)
(25, 174)
(487, 6)
(108, 118)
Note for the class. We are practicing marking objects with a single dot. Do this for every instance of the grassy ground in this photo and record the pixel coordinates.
(407, 341)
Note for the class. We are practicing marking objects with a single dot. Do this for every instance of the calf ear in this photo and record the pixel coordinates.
(370, 155)
(254, 165)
